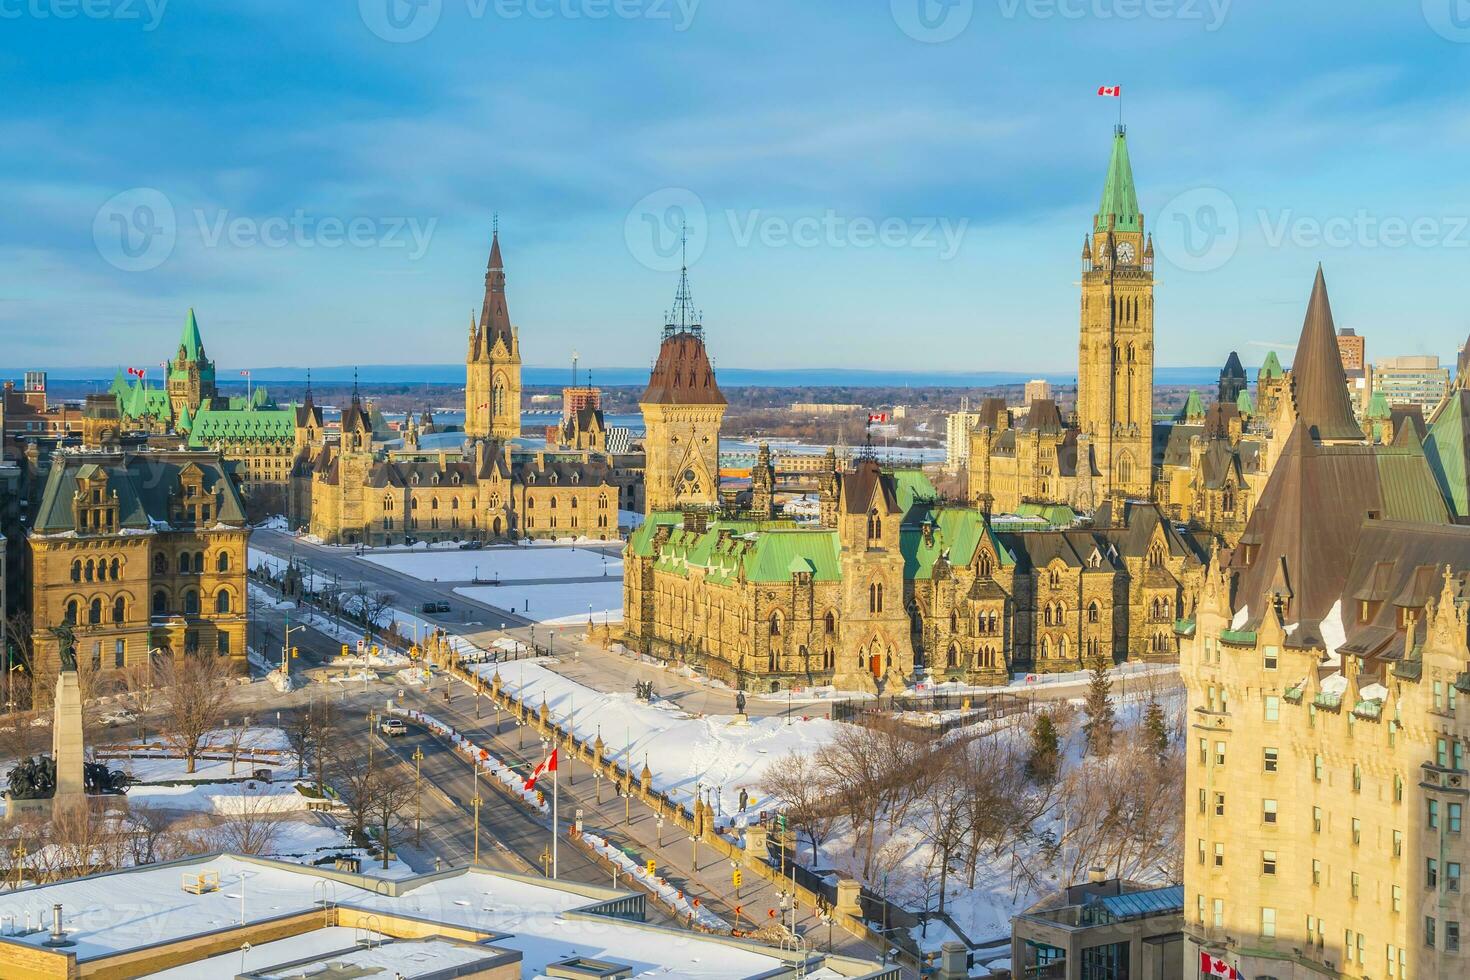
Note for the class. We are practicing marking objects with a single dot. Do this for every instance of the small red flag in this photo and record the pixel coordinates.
(1116, 91)
(1211, 966)
(244, 374)
(877, 417)
(547, 764)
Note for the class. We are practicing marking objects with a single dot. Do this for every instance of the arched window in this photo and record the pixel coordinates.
(574, 503)
(776, 624)
(160, 564)
(87, 574)
(119, 609)
(1056, 579)
(76, 570)
(222, 601)
(160, 603)
(191, 603)
(222, 562)
(875, 525)
(198, 563)
(71, 612)
(434, 504)
(184, 563)
(94, 613)
(1125, 467)
(952, 658)
(954, 622)
(875, 597)
(116, 568)
(829, 623)
(982, 567)
(1156, 556)
(1093, 612)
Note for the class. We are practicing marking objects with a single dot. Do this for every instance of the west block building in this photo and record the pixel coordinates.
(492, 485)
(138, 551)
(1326, 778)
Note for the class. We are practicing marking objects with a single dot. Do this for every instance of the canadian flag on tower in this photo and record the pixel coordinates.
(1116, 91)
(878, 417)
(546, 765)
(1211, 966)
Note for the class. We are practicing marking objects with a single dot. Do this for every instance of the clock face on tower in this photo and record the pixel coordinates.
(1125, 253)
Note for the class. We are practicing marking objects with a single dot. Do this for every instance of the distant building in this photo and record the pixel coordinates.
(957, 426)
(824, 408)
(1414, 379)
(1038, 389)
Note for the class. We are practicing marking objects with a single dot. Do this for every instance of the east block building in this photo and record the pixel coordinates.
(1326, 781)
(138, 551)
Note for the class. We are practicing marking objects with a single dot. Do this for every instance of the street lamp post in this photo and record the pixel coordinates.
(418, 800)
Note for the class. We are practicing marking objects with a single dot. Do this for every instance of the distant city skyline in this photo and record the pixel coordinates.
(863, 190)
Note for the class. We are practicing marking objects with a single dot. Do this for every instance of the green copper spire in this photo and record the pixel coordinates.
(1272, 367)
(1244, 404)
(185, 423)
(191, 341)
(1119, 199)
(1194, 408)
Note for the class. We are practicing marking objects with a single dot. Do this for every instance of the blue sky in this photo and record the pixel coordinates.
(861, 193)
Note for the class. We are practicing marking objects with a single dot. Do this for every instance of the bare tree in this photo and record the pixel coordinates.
(194, 694)
(391, 791)
(372, 605)
(353, 775)
(251, 828)
(299, 730)
(803, 788)
(79, 840)
(323, 722)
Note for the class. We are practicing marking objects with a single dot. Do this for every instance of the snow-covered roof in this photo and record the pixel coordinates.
(123, 911)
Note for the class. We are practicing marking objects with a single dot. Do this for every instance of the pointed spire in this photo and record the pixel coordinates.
(494, 316)
(191, 342)
(308, 386)
(1271, 367)
(355, 397)
(1318, 383)
(684, 318)
(1119, 208)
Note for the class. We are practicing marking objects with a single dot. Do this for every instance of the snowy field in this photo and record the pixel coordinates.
(683, 751)
(545, 561)
(555, 604)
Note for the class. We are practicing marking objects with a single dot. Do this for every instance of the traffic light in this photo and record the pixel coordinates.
(295, 653)
(652, 867)
(735, 877)
(344, 649)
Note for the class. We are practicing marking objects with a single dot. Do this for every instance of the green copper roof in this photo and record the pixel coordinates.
(1244, 404)
(1194, 408)
(1447, 448)
(1272, 367)
(955, 533)
(1119, 199)
(254, 425)
(185, 422)
(1378, 406)
(776, 554)
(191, 341)
(138, 401)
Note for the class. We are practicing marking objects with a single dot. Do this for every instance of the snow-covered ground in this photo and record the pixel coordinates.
(555, 604)
(541, 561)
(685, 752)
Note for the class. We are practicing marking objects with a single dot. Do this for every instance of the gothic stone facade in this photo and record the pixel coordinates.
(894, 584)
(139, 551)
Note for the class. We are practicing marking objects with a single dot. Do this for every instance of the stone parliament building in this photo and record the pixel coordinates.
(892, 582)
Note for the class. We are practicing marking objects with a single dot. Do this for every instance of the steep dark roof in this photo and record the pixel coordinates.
(1301, 536)
(1044, 416)
(1400, 564)
(1233, 368)
(1319, 385)
(682, 375)
(143, 483)
(494, 317)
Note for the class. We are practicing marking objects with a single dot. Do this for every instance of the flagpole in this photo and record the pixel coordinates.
(555, 793)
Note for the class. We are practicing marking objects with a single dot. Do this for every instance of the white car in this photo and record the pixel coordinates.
(392, 727)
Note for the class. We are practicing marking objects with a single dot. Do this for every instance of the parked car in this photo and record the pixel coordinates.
(471, 545)
(435, 607)
(392, 727)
